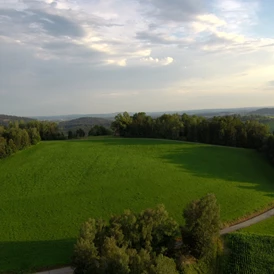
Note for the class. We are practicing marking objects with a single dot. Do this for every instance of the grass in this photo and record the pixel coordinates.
(265, 227)
(248, 254)
(47, 191)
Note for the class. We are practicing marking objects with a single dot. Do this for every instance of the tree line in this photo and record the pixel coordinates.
(146, 242)
(96, 130)
(220, 130)
(19, 135)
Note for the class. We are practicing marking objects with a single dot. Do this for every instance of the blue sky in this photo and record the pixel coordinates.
(102, 56)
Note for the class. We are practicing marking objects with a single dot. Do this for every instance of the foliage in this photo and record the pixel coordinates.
(225, 130)
(202, 219)
(80, 133)
(269, 148)
(131, 243)
(121, 124)
(98, 130)
(48, 190)
(249, 254)
(235, 131)
(20, 135)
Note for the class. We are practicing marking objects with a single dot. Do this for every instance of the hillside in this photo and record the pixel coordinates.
(47, 191)
(263, 111)
(85, 123)
(5, 119)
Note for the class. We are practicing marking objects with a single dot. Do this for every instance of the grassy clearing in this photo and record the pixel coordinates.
(47, 191)
(265, 227)
(249, 254)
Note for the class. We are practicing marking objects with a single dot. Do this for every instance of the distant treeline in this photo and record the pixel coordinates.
(19, 135)
(95, 130)
(225, 130)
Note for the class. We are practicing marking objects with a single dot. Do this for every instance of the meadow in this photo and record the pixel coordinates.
(249, 254)
(48, 190)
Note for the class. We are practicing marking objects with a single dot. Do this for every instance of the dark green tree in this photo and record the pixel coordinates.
(121, 124)
(70, 135)
(202, 219)
(129, 243)
(34, 135)
(80, 133)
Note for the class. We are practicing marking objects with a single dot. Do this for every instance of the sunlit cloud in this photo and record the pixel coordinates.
(178, 52)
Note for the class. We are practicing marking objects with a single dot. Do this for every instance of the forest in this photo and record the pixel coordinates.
(19, 135)
(220, 130)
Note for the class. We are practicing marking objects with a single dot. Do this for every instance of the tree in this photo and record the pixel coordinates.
(34, 135)
(164, 265)
(202, 219)
(121, 124)
(25, 140)
(80, 133)
(70, 135)
(129, 243)
(97, 130)
(3, 147)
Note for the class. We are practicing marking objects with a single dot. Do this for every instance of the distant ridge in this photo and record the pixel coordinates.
(263, 111)
(5, 119)
(84, 122)
(200, 112)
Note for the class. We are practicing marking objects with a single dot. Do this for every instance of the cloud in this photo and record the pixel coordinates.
(238, 13)
(176, 10)
(121, 63)
(91, 56)
(51, 24)
(211, 19)
(156, 61)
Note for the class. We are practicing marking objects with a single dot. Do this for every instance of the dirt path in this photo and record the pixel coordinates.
(64, 270)
(254, 220)
(249, 222)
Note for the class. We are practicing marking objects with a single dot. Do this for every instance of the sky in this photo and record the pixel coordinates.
(104, 56)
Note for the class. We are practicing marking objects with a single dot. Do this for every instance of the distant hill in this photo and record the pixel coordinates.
(263, 111)
(69, 117)
(109, 116)
(5, 119)
(85, 123)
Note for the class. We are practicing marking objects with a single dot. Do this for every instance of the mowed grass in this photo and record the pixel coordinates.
(248, 254)
(265, 227)
(47, 191)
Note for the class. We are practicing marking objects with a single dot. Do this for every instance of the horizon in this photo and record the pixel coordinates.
(61, 57)
(195, 111)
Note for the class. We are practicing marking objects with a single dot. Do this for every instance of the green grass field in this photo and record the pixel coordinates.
(249, 254)
(265, 227)
(47, 191)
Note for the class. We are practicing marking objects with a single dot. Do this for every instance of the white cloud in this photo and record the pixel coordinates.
(158, 61)
(211, 19)
(121, 63)
(185, 48)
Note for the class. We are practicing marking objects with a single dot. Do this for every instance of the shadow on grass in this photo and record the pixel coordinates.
(246, 166)
(30, 256)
